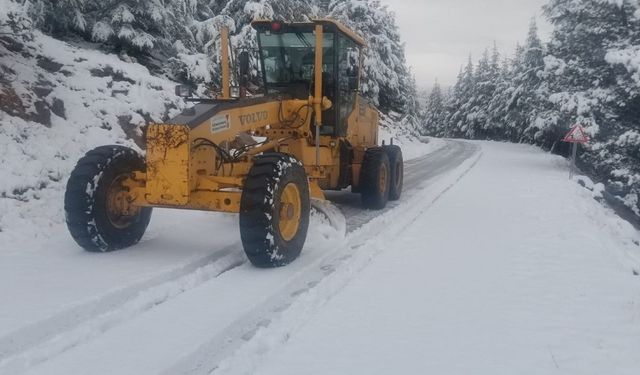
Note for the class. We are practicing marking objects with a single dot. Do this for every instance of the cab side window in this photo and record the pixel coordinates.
(348, 78)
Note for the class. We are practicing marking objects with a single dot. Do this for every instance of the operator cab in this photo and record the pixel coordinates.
(287, 56)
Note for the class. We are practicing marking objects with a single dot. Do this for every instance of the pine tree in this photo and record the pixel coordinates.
(527, 94)
(495, 62)
(57, 17)
(127, 24)
(434, 120)
(499, 127)
(460, 103)
(484, 88)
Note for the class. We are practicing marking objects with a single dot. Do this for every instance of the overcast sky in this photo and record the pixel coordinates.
(440, 34)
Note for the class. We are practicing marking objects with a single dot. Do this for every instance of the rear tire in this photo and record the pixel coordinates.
(375, 179)
(274, 210)
(92, 224)
(397, 171)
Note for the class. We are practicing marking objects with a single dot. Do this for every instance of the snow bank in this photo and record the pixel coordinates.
(400, 130)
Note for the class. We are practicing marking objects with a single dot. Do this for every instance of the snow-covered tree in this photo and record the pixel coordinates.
(590, 69)
(498, 127)
(526, 92)
(126, 24)
(435, 112)
(58, 16)
(459, 104)
(483, 90)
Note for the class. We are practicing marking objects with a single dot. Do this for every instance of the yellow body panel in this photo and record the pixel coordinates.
(224, 126)
(363, 124)
(168, 153)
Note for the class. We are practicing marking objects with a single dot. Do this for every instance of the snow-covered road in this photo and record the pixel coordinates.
(493, 262)
(68, 297)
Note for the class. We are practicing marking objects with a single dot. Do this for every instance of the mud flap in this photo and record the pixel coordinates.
(333, 215)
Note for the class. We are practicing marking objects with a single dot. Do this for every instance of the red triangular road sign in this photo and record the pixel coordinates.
(577, 135)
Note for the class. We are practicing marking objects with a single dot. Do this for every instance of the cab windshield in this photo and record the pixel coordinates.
(288, 58)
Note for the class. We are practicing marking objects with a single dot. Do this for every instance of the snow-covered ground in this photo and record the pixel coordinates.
(498, 264)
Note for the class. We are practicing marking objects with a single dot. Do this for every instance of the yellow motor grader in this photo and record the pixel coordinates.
(265, 157)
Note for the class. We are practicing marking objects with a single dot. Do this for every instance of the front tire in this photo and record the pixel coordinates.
(274, 210)
(98, 212)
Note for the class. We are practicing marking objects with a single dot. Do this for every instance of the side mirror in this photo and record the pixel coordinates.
(243, 61)
(183, 91)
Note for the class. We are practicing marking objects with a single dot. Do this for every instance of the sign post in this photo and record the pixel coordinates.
(577, 135)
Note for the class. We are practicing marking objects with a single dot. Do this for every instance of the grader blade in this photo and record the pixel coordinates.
(332, 214)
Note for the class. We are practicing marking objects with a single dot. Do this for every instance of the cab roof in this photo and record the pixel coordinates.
(328, 23)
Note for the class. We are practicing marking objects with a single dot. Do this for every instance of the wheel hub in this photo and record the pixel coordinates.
(120, 212)
(290, 212)
(287, 212)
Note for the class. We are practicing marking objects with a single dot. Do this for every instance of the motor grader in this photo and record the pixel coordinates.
(310, 131)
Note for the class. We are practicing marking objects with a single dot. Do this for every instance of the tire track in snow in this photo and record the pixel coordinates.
(37, 343)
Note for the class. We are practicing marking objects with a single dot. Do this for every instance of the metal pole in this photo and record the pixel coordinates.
(226, 91)
(574, 168)
(317, 96)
